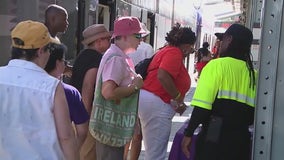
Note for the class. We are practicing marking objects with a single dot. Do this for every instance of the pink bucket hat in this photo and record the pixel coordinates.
(126, 26)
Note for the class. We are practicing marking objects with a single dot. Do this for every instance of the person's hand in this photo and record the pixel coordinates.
(68, 71)
(179, 107)
(185, 144)
(138, 81)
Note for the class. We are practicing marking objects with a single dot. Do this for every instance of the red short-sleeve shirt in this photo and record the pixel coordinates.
(170, 59)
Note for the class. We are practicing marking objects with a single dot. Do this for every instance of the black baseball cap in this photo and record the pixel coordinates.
(219, 35)
(239, 33)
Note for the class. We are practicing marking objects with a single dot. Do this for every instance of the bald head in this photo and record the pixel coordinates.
(56, 19)
(52, 10)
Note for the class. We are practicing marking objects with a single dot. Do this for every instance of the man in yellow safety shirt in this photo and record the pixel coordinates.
(224, 101)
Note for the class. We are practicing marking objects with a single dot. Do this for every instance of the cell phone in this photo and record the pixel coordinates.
(214, 129)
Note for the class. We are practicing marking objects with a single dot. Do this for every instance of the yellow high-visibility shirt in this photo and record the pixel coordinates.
(224, 78)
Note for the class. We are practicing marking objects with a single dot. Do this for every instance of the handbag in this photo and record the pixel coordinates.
(142, 67)
(112, 122)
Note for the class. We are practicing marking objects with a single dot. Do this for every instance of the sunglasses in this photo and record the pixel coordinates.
(138, 36)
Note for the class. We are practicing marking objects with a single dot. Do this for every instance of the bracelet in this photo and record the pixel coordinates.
(136, 88)
(178, 96)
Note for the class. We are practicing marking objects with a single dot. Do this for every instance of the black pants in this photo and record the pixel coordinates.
(233, 145)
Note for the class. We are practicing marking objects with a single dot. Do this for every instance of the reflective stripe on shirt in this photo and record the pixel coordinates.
(226, 78)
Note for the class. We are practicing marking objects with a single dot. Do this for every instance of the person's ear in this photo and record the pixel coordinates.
(57, 63)
(230, 38)
(40, 51)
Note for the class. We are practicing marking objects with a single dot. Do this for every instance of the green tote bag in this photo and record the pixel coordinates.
(112, 122)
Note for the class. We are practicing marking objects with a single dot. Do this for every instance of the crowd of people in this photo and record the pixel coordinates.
(107, 109)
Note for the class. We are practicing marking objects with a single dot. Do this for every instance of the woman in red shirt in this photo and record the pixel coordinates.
(167, 81)
(203, 57)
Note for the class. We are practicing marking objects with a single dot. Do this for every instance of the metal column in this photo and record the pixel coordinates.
(269, 132)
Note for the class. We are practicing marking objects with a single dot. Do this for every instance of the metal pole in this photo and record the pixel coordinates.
(80, 24)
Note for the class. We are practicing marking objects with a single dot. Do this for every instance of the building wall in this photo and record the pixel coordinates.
(12, 12)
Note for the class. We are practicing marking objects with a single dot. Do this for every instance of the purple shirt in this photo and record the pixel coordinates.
(77, 110)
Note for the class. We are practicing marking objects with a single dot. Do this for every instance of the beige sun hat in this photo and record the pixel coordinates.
(95, 32)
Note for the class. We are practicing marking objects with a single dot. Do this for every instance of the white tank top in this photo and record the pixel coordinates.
(27, 128)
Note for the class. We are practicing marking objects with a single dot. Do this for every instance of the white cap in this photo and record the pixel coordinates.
(145, 29)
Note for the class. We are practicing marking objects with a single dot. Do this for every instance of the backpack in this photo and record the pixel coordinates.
(142, 67)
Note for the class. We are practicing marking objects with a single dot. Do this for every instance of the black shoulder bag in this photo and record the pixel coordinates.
(142, 67)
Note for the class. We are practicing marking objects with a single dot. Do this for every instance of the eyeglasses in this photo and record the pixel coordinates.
(138, 36)
(105, 38)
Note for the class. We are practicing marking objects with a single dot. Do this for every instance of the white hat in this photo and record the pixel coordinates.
(147, 32)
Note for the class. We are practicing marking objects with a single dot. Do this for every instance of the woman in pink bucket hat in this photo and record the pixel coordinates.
(116, 82)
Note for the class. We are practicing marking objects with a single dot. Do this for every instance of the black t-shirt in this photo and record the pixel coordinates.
(87, 59)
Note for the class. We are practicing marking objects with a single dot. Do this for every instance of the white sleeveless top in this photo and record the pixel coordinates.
(27, 127)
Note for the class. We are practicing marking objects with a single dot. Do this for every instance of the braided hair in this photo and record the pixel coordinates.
(240, 48)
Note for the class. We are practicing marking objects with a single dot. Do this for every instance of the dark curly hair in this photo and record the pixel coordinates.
(180, 35)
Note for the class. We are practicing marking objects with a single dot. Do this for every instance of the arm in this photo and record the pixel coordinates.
(111, 91)
(185, 144)
(115, 69)
(198, 116)
(63, 125)
(168, 84)
(79, 116)
(88, 88)
(81, 130)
